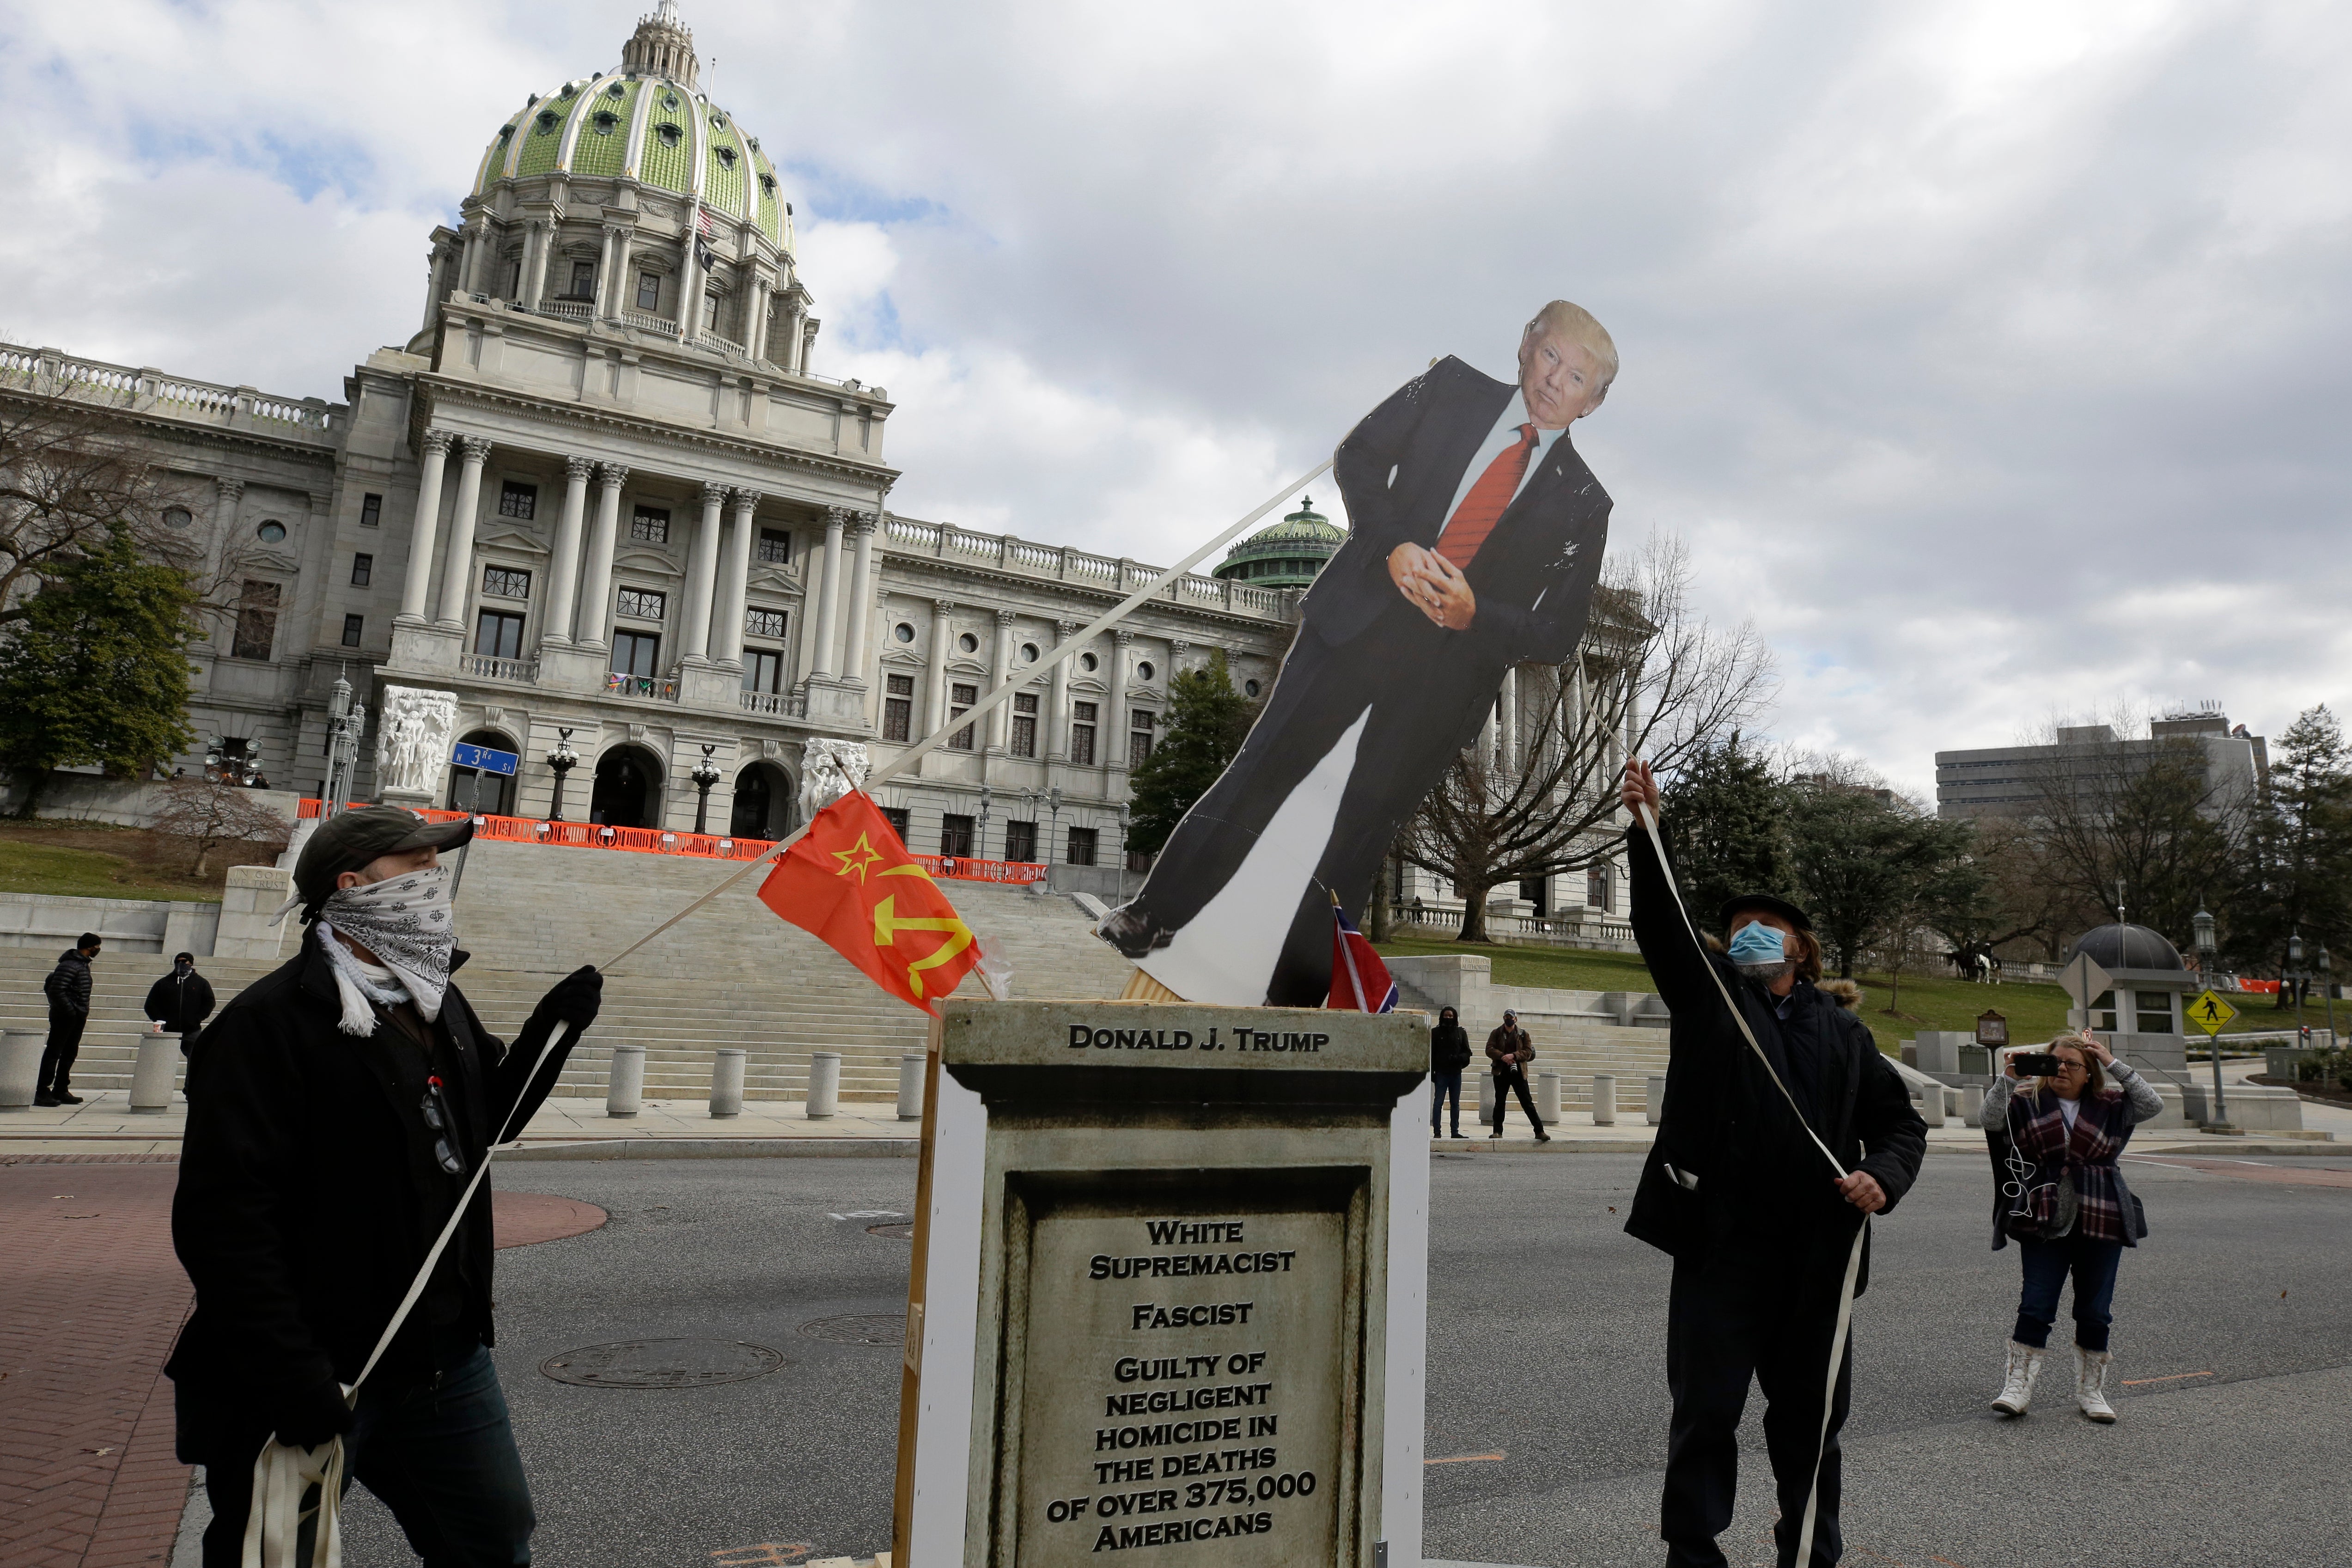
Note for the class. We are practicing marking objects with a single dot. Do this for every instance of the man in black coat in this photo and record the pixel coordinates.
(67, 988)
(1759, 1226)
(181, 1000)
(336, 1110)
(1449, 1052)
(1475, 539)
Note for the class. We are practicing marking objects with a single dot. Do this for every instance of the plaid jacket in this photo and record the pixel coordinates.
(2068, 1184)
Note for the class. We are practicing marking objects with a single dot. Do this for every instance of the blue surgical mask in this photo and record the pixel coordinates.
(1756, 942)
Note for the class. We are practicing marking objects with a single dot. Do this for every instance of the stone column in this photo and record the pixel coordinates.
(588, 626)
(1114, 746)
(935, 679)
(1000, 719)
(469, 260)
(735, 574)
(828, 597)
(617, 270)
(861, 596)
(537, 241)
(563, 570)
(702, 574)
(414, 586)
(1057, 722)
(793, 356)
(1510, 735)
(437, 272)
(689, 285)
(457, 567)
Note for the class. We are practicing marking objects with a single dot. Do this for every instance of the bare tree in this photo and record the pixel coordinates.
(70, 477)
(204, 815)
(1536, 795)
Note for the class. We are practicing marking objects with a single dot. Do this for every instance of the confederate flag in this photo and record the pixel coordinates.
(853, 884)
(1359, 981)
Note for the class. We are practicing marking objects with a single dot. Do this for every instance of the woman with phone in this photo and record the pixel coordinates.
(2064, 1203)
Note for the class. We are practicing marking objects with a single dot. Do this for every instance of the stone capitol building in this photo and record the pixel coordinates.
(603, 498)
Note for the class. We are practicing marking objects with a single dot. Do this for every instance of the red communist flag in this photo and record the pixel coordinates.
(853, 884)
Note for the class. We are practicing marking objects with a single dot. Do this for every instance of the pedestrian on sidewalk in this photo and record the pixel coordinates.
(2066, 1206)
(67, 990)
(181, 1002)
(336, 1110)
(1509, 1050)
(1735, 1189)
(1449, 1052)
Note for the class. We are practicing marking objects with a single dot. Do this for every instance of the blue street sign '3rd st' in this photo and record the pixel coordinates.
(482, 757)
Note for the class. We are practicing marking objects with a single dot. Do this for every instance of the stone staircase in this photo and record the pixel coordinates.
(730, 975)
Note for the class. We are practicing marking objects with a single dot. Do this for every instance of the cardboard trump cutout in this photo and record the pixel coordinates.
(1475, 539)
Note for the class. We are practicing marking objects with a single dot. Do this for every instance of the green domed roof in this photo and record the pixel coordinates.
(1289, 554)
(646, 124)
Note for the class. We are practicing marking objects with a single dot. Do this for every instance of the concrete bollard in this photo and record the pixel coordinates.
(1972, 1101)
(624, 1085)
(1486, 1100)
(1656, 1108)
(726, 1082)
(823, 1085)
(20, 1066)
(156, 1074)
(1547, 1097)
(1604, 1100)
(911, 1087)
(1931, 1105)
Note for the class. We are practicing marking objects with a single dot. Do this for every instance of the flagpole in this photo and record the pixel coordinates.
(1029, 676)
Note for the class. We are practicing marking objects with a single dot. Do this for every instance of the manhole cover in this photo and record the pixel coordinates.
(904, 1230)
(662, 1363)
(887, 1329)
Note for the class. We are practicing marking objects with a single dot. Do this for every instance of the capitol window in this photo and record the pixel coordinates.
(775, 547)
(517, 498)
(651, 524)
(641, 603)
(1143, 671)
(969, 643)
(606, 122)
(178, 517)
(904, 631)
(505, 583)
(1028, 653)
(670, 135)
(583, 280)
(271, 531)
(548, 121)
(1088, 661)
(726, 157)
(764, 623)
(648, 290)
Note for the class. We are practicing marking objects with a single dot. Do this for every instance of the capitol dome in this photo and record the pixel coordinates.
(1289, 554)
(643, 121)
(2117, 948)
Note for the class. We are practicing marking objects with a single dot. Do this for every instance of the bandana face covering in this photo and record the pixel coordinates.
(407, 923)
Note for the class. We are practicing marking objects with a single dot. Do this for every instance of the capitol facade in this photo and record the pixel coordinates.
(605, 498)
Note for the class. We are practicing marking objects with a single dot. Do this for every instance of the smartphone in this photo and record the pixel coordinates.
(2036, 1064)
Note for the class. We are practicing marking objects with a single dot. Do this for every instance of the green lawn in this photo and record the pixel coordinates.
(55, 868)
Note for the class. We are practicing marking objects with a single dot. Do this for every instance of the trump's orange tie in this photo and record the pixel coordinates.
(1476, 518)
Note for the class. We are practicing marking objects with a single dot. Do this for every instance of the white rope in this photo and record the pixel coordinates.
(1853, 1258)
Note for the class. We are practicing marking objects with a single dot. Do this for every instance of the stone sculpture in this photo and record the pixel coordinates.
(829, 770)
(413, 735)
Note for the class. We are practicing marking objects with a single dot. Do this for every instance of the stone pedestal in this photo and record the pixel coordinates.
(1170, 1327)
(248, 903)
(833, 700)
(425, 650)
(701, 684)
(578, 670)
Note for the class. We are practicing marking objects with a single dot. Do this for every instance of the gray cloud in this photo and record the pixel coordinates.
(1991, 356)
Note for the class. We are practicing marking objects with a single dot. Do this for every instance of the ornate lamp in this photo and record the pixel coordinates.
(705, 775)
(561, 760)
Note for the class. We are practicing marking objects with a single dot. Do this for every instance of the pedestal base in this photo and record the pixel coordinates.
(425, 650)
(833, 700)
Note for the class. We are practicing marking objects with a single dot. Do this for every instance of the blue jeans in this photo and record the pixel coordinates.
(1444, 1082)
(440, 1454)
(2047, 1265)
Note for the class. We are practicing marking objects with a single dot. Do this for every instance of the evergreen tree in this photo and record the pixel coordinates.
(1207, 721)
(96, 669)
(1865, 863)
(2299, 877)
(1727, 819)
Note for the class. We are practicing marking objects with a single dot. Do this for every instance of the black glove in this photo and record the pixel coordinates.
(575, 1000)
(311, 1416)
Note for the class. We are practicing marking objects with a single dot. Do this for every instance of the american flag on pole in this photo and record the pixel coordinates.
(706, 237)
(1359, 981)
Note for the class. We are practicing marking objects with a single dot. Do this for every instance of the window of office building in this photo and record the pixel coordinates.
(371, 512)
(763, 670)
(643, 604)
(1025, 724)
(955, 835)
(764, 623)
(961, 698)
(353, 626)
(898, 708)
(1596, 887)
(636, 653)
(1021, 841)
(651, 524)
(363, 568)
(256, 620)
(517, 498)
(775, 547)
(583, 280)
(505, 583)
(1139, 737)
(1082, 735)
(499, 635)
(1082, 846)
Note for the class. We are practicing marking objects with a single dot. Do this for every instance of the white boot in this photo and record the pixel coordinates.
(2090, 1384)
(2017, 1384)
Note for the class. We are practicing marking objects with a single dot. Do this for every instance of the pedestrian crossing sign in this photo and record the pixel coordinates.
(2210, 1013)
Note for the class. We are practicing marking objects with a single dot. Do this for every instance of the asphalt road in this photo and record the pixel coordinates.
(1547, 1346)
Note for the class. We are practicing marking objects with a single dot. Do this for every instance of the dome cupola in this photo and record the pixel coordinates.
(1286, 556)
(662, 47)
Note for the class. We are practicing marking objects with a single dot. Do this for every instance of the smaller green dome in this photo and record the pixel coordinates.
(1289, 554)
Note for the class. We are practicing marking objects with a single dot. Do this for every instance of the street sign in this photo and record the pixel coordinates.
(484, 758)
(2083, 980)
(2210, 1013)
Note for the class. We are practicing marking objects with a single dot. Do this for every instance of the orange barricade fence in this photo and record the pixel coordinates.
(704, 845)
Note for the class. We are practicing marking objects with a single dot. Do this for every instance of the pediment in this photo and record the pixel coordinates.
(269, 560)
(902, 658)
(1090, 685)
(647, 561)
(775, 582)
(968, 666)
(511, 539)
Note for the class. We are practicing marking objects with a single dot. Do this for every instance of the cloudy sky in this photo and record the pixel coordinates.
(1992, 357)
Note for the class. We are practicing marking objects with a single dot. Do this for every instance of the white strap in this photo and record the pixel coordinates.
(1853, 1258)
(281, 1476)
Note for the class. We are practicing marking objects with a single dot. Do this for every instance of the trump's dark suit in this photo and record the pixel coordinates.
(1364, 647)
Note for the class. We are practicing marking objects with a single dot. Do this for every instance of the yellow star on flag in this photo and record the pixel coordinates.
(858, 858)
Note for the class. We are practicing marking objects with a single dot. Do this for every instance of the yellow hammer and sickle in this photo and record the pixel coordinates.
(888, 925)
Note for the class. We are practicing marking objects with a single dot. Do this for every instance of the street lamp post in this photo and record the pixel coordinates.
(2201, 923)
(980, 844)
(705, 775)
(1122, 852)
(1053, 833)
(561, 760)
(2295, 977)
(2328, 993)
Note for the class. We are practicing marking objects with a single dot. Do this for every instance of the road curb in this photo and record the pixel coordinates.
(721, 1149)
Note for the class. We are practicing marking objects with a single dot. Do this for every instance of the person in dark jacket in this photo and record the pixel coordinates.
(1735, 1190)
(67, 991)
(1449, 1052)
(181, 1000)
(1508, 1052)
(337, 1108)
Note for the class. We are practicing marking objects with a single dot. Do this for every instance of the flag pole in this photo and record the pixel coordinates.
(1029, 676)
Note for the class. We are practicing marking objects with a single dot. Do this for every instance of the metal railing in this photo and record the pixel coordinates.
(965, 868)
(176, 397)
(568, 310)
(483, 667)
(654, 687)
